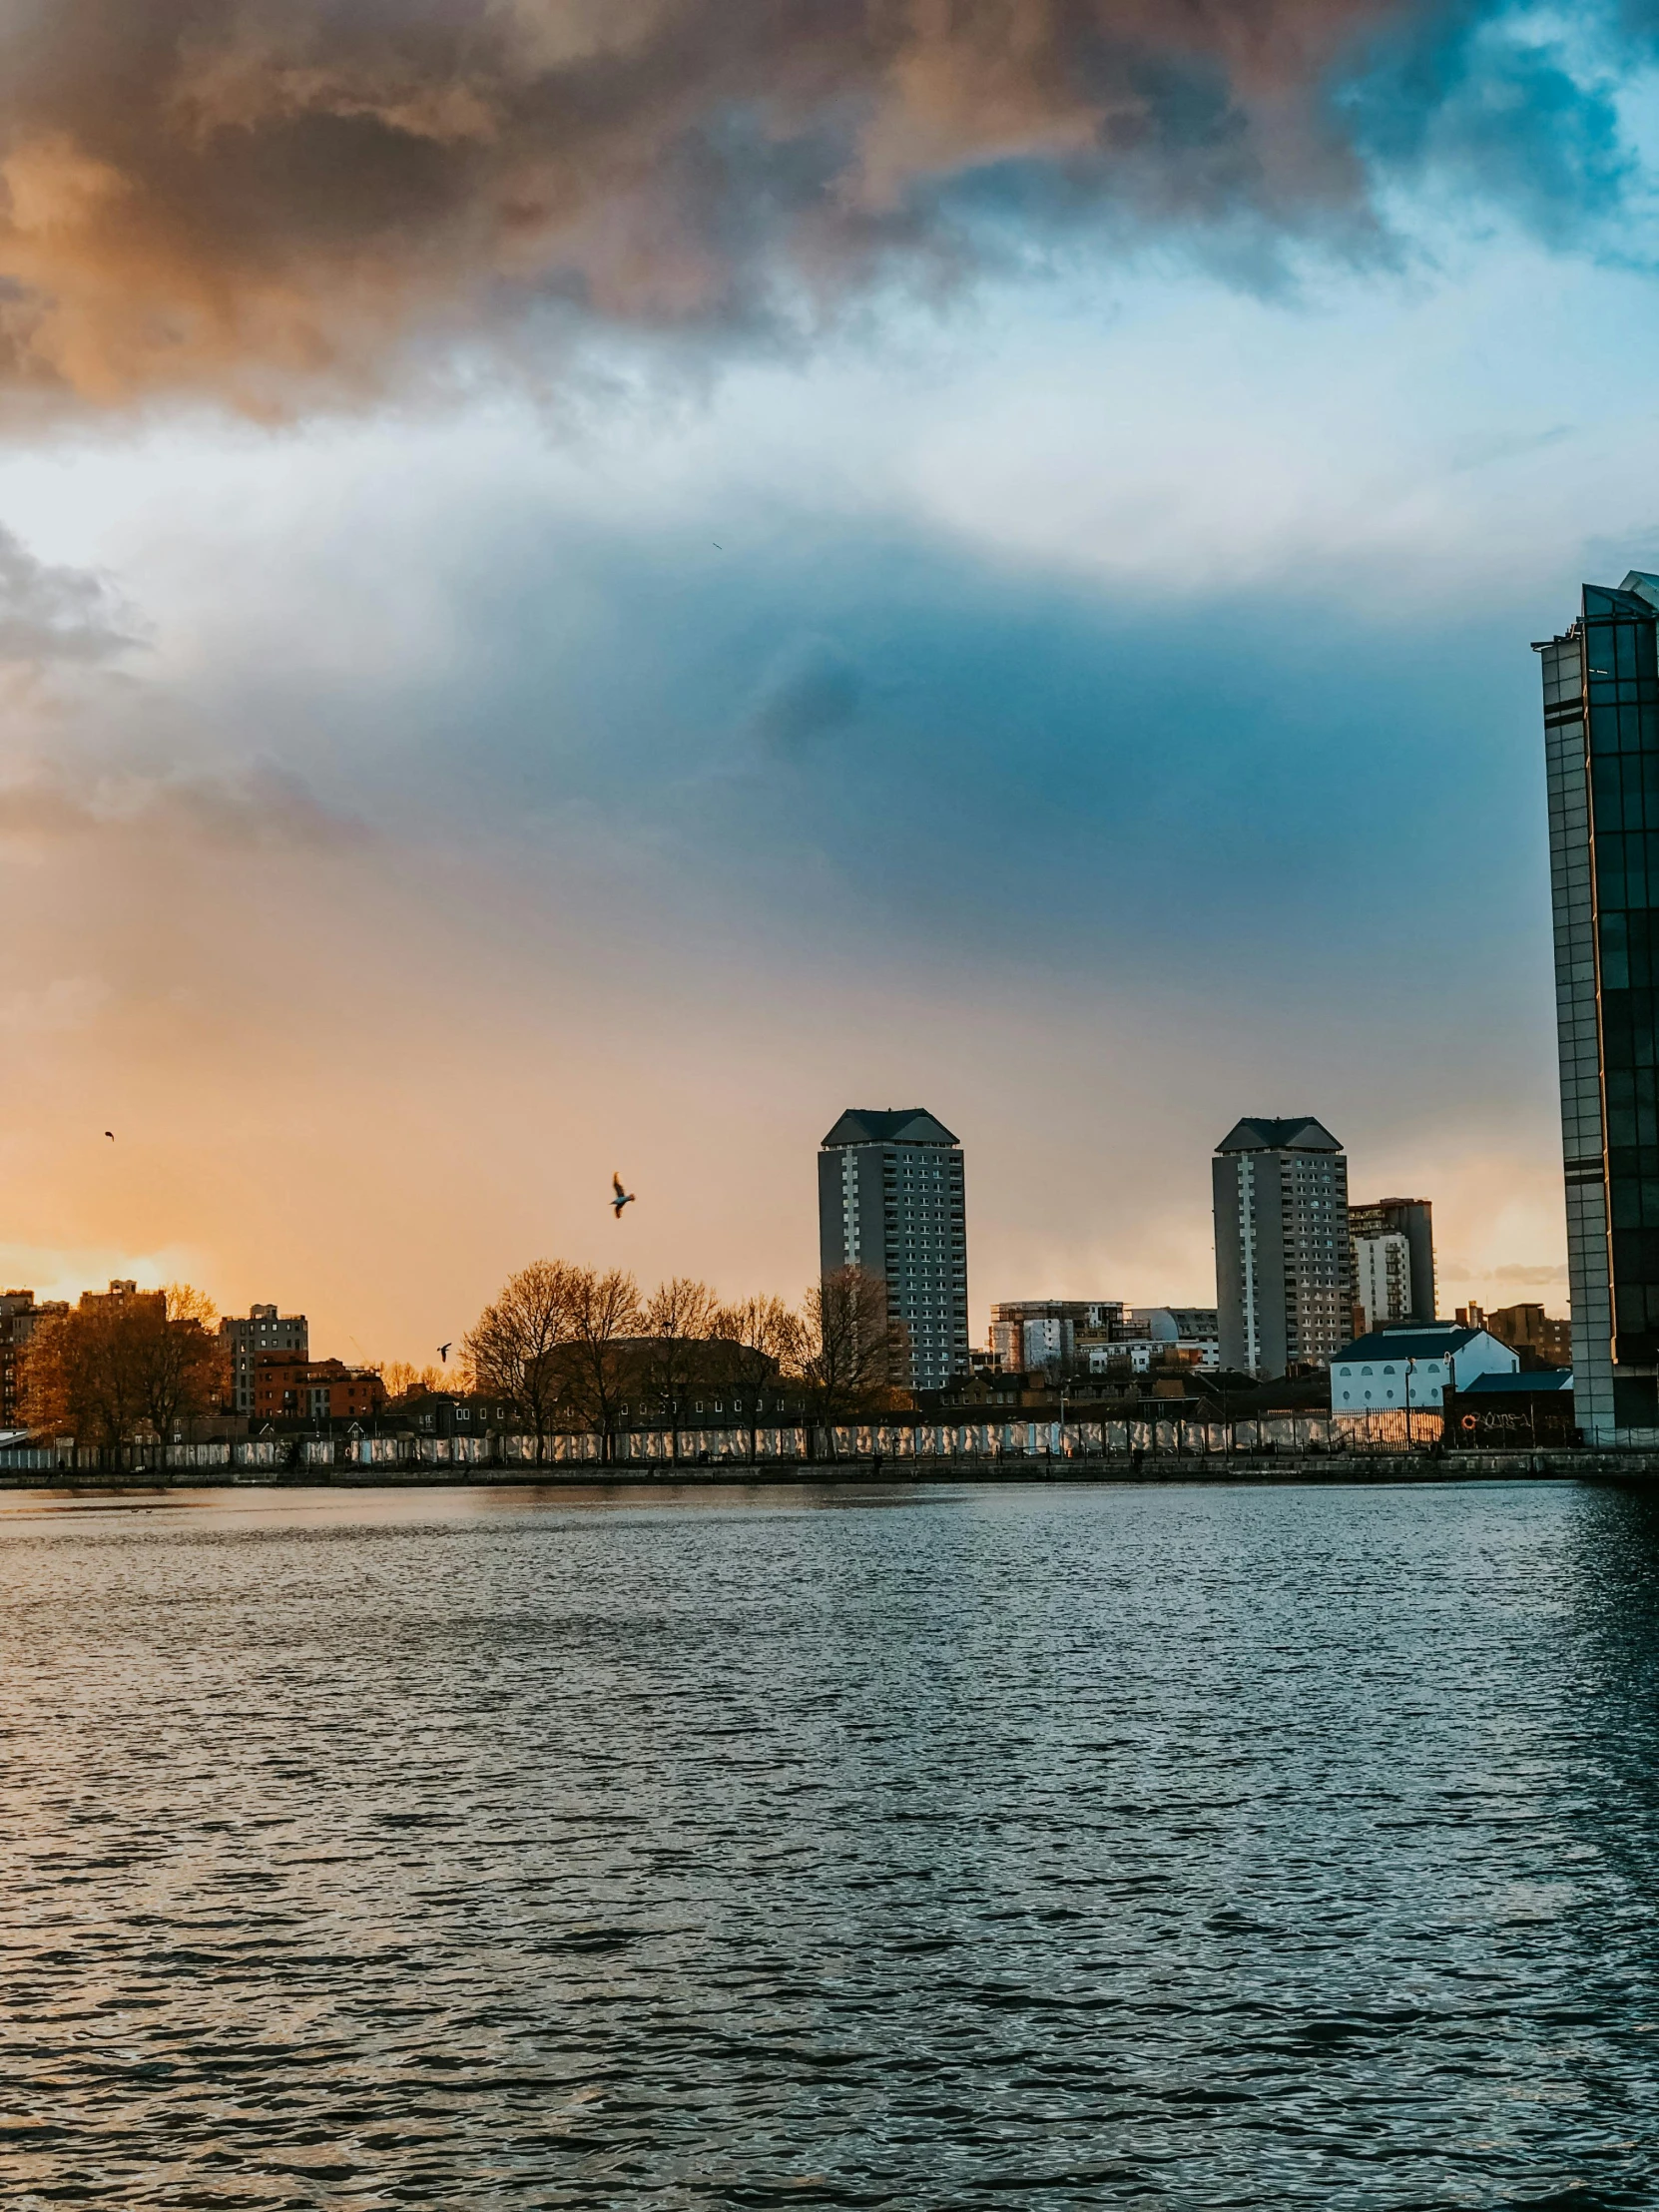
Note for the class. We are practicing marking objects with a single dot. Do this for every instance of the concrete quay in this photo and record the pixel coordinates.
(1127, 1468)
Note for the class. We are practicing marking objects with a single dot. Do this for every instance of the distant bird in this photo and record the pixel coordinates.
(719, 548)
(444, 1352)
(110, 1133)
(622, 1198)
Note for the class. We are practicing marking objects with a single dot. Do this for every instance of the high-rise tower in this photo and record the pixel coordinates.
(1412, 1219)
(1601, 756)
(1281, 1254)
(890, 1200)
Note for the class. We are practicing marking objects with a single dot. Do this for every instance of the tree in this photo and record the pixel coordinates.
(405, 1380)
(678, 1321)
(607, 1319)
(185, 1369)
(762, 1336)
(856, 1352)
(118, 1364)
(512, 1349)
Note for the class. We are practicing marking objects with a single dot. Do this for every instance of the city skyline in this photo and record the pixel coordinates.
(1192, 1269)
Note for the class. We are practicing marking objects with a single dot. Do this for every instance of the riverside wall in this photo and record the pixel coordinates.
(899, 1441)
(192, 1467)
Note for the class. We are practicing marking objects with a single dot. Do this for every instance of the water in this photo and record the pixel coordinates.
(1038, 1849)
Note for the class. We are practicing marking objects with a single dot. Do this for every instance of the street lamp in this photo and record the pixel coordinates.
(1407, 1365)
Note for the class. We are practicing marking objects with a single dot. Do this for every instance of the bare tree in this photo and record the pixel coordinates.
(403, 1379)
(762, 1336)
(606, 1320)
(679, 1319)
(856, 1352)
(184, 1369)
(513, 1350)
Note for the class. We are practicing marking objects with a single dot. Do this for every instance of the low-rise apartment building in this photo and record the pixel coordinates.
(264, 1330)
(287, 1388)
(1542, 1341)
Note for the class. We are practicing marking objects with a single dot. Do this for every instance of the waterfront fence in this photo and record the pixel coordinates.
(659, 1449)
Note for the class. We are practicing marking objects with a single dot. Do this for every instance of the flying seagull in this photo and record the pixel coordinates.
(622, 1198)
(444, 1352)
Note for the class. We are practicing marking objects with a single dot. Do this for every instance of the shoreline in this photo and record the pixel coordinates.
(1354, 1471)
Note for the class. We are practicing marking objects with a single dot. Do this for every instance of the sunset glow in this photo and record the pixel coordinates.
(863, 575)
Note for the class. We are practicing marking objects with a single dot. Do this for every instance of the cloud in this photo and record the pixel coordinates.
(57, 614)
(260, 807)
(1515, 1275)
(278, 199)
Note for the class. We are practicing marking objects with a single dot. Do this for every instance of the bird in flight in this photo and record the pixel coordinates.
(110, 1133)
(444, 1352)
(622, 1198)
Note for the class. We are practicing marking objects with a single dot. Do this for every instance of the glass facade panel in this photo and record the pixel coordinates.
(1622, 680)
(1601, 756)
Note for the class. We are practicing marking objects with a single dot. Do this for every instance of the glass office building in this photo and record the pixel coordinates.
(1601, 742)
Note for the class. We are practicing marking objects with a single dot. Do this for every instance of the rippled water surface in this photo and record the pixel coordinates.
(1027, 1848)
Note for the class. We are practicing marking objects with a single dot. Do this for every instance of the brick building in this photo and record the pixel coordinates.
(20, 1311)
(264, 1329)
(289, 1388)
(1543, 1341)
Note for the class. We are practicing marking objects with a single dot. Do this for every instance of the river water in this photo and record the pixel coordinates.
(1016, 1846)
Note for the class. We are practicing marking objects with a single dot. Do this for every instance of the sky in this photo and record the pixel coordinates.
(585, 586)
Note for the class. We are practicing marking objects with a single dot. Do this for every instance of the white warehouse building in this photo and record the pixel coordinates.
(1414, 1367)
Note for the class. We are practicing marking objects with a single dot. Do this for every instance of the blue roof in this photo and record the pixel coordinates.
(1521, 1384)
(1431, 1342)
(890, 1125)
(1262, 1133)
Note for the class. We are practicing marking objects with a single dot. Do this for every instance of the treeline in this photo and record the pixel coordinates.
(571, 1347)
(115, 1368)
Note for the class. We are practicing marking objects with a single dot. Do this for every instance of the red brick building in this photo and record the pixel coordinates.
(291, 1389)
(19, 1314)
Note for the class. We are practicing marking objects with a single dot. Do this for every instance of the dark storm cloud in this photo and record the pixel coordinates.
(275, 199)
